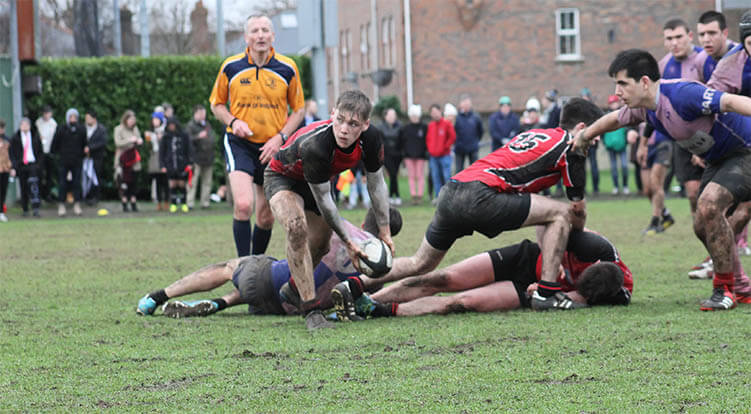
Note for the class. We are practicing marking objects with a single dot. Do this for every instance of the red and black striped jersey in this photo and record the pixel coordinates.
(312, 155)
(532, 161)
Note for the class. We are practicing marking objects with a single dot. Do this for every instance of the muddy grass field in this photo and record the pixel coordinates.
(70, 339)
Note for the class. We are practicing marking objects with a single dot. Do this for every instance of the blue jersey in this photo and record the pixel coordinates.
(689, 112)
(706, 64)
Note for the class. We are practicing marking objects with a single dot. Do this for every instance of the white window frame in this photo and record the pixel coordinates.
(575, 32)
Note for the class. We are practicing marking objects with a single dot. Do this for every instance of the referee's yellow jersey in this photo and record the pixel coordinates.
(259, 96)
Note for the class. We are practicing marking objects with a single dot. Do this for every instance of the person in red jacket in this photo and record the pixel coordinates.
(439, 139)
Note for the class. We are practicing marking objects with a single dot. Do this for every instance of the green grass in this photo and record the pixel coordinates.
(70, 339)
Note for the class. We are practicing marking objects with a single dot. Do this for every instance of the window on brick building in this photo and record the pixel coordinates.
(387, 42)
(365, 47)
(345, 50)
(568, 34)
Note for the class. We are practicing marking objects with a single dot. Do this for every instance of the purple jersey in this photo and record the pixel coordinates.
(672, 68)
(333, 268)
(686, 68)
(706, 64)
(733, 73)
(689, 112)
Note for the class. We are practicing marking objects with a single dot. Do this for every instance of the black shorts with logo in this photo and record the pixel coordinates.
(732, 172)
(661, 153)
(464, 208)
(275, 182)
(518, 264)
(252, 278)
(243, 155)
(685, 170)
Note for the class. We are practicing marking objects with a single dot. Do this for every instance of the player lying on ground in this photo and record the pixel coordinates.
(711, 124)
(258, 278)
(495, 194)
(592, 273)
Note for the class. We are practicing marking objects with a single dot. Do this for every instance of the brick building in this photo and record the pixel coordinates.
(491, 48)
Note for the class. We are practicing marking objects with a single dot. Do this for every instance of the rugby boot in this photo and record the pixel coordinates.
(559, 301)
(146, 306)
(667, 221)
(315, 320)
(722, 299)
(179, 309)
(344, 304)
(364, 305)
(654, 227)
(703, 270)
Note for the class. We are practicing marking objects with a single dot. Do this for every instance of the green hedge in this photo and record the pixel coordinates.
(111, 85)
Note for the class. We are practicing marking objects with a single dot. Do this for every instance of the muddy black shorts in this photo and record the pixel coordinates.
(243, 155)
(518, 264)
(684, 169)
(732, 172)
(275, 182)
(464, 208)
(252, 278)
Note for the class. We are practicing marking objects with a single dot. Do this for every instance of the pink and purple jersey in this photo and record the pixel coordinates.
(706, 64)
(334, 267)
(672, 68)
(689, 112)
(733, 73)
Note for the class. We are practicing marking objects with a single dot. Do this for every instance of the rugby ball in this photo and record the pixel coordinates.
(379, 259)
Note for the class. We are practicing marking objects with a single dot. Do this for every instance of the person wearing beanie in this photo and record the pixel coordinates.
(157, 177)
(502, 124)
(70, 144)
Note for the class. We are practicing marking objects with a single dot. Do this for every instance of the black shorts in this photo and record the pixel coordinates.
(464, 208)
(684, 169)
(733, 172)
(243, 155)
(252, 278)
(275, 182)
(661, 153)
(518, 264)
(177, 175)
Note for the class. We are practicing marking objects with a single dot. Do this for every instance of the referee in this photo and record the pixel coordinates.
(260, 86)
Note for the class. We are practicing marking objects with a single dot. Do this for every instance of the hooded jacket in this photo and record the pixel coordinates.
(70, 140)
(175, 150)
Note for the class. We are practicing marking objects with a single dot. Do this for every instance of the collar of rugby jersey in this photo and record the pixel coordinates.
(272, 52)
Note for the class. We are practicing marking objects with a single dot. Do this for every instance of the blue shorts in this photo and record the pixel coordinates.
(243, 155)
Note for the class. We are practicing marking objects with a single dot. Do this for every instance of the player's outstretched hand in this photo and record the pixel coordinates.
(241, 129)
(270, 148)
(355, 253)
(389, 242)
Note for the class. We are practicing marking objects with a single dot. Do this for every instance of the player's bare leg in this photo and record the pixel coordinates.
(319, 236)
(657, 197)
(470, 273)
(692, 192)
(424, 260)
(714, 230)
(553, 215)
(288, 210)
(494, 297)
(204, 279)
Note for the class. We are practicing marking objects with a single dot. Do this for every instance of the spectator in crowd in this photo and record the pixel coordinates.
(592, 154)
(393, 153)
(632, 136)
(551, 116)
(25, 152)
(311, 113)
(168, 110)
(615, 142)
(46, 127)
(203, 143)
(412, 137)
(469, 132)
(439, 139)
(97, 138)
(358, 188)
(5, 167)
(503, 124)
(449, 112)
(531, 118)
(71, 146)
(127, 159)
(156, 176)
(175, 158)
